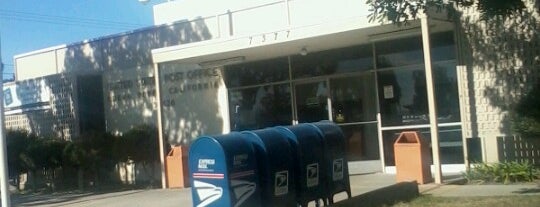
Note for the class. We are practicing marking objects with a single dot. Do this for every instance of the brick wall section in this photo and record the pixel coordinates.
(499, 59)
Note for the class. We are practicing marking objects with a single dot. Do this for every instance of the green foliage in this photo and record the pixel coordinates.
(526, 116)
(91, 153)
(141, 144)
(397, 11)
(17, 142)
(505, 172)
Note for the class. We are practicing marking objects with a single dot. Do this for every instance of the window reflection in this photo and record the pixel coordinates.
(403, 95)
(409, 51)
(450, 144)
(259, 72)
(352, 59)
(361, 142)
(353, 99)
(260, 107)
(312, 102)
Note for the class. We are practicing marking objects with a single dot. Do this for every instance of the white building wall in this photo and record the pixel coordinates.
(501, 60)
(194, 102)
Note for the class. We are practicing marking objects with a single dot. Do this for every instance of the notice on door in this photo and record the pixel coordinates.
(388, 91)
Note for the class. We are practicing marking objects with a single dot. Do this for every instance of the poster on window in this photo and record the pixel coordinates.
(388, 92)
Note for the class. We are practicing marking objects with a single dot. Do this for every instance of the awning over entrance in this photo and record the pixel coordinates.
(291, 41)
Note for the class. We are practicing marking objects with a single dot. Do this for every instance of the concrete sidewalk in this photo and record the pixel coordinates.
(449, 190)
(360, 185)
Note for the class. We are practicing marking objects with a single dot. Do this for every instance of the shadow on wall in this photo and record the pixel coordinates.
(503, 65)
(125, 62)
(190, 100)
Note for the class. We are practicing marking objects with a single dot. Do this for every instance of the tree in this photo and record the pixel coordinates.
(17, 143)
(397, 11)
(91, 152)
(141, 145)
(526, 119)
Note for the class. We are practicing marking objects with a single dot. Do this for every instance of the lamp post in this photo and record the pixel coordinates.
(4, 187)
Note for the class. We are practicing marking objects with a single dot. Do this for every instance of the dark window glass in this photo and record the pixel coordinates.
(260, 107)
(361, 142)
(399, 52)
(450, 144)
(409, 51)
(443, 47)
(328, 62)
(259, 72)
(403, 95)
(446, 90)
(312, 101)
(353, 98)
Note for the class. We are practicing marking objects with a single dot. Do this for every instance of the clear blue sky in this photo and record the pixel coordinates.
(28, 25)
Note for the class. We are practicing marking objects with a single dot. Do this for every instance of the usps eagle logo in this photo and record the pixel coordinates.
(207, 192)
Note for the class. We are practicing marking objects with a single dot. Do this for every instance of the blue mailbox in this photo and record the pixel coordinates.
(223, 172)
(307, 145)
(335, 159)
(276, 168)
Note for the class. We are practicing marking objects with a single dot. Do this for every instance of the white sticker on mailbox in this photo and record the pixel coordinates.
(312, 177)
(337, 173)
(281, 184)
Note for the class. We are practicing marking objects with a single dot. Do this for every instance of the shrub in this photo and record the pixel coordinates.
(141, 146)
(526, 115)
(504, 172)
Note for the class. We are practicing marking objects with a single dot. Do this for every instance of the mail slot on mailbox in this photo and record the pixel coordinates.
(335, 159)
(307, 144)
(276, 168)
(223, 172)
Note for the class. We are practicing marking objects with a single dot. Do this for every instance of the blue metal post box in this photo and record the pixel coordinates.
(223, 172)
(307, 144)
(335, 158)
(276, 168)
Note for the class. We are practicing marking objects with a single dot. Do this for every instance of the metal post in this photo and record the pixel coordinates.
(431, 99)
(3, 148)
(160, 127)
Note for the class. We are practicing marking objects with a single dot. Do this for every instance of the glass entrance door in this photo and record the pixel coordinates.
(354, 110)
(311, 101)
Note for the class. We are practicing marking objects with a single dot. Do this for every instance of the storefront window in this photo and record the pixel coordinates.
(450, 144)
(353, 99)
(446, 90)
(409, 51)
(403, 95)
(442, 46)
(312, 101)
(260, 72)
(399, 52)
(260, 107)
(361, 142)
(352, 59)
